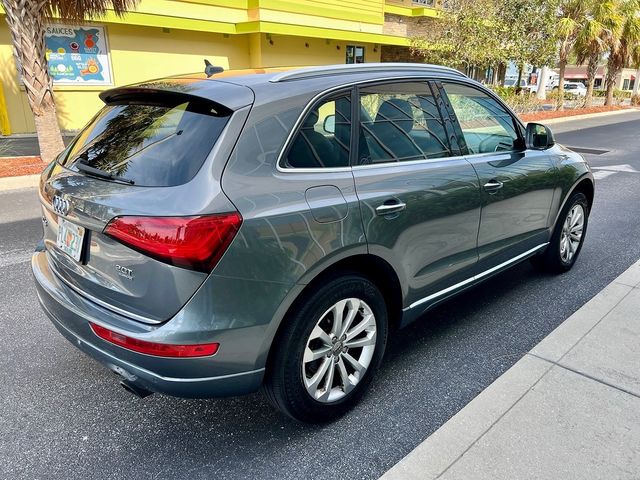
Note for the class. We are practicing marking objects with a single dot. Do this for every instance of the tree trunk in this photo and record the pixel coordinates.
(592, 70)
(541, 93)
(636, 83)
(563, 67)
(520, 72)
(26, 21)
(49, 137)
(612, 73)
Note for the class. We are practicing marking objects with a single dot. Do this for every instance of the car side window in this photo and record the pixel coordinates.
(486, 125)
(400, 122)
(324, 137)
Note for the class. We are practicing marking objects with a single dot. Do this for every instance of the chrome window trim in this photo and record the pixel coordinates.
(317, 97)
(409, 163)
(294, 131)
(475, 277)
(491, 94)
(472, 156)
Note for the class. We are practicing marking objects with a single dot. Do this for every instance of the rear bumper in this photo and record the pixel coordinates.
(71, 313)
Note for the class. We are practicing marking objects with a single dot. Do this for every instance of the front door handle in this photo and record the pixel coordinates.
(493, 186)
(391, 208)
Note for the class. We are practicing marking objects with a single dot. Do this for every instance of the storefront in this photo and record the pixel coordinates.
(166, 37)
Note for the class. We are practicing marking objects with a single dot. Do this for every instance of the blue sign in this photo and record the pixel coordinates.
(77, 55)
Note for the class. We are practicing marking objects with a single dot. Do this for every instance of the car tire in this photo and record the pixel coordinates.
(295, 383)
(563, 249)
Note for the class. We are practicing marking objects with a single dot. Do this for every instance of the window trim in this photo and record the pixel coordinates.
(351, 86)
(464, 149)
(288, 144)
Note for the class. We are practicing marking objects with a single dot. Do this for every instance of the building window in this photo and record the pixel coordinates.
(626, 85)
(355, 54)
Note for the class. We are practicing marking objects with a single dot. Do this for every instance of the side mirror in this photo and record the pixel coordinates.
(539, 137)
(329, 124)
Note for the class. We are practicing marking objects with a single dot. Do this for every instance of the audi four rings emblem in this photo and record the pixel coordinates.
(61, 205)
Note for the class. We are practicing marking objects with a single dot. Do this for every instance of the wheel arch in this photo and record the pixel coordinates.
(586, 185)
(370, 266)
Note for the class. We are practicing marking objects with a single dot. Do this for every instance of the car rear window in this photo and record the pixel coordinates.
(148, 143)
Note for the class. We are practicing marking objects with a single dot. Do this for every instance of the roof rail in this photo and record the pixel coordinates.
(310, 72)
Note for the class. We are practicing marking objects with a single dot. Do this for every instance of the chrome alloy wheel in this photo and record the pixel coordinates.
(572, 233)
(339, 350)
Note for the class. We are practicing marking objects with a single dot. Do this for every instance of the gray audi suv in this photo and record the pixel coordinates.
(210, 235)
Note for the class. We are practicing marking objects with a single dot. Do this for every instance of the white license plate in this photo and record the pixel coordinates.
(70, 238)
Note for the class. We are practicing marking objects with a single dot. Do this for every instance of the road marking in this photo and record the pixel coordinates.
(617, 168)
(602, 174)
(608, 170)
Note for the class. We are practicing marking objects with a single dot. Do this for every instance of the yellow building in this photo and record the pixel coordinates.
(165, 37)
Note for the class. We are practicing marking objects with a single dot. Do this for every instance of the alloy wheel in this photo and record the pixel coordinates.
(339, 350)
(571, 236)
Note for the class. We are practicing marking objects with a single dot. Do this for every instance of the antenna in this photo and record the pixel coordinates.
(210, 69)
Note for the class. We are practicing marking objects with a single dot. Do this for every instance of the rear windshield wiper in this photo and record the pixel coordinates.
(96, 172)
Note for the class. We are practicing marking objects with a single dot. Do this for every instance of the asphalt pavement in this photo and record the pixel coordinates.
(64, 416)
(24, 145)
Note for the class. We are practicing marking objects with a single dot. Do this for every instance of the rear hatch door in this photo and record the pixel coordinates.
(147, 153)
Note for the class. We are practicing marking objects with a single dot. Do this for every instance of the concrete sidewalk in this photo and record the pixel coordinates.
(569, 409)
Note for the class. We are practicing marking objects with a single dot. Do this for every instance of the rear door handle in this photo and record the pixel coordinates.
(493, 185)
(389, 209)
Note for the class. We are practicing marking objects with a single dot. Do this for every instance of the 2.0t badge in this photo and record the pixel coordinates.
(124, 272)
(61, 205)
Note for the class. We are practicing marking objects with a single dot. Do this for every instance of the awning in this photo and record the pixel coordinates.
(579, 76)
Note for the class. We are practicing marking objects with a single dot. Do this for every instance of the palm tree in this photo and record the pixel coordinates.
(594, 38)
(635, 61)
(27, 19)
(624, 42)
(570, 15)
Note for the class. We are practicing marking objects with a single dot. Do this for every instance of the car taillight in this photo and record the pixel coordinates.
(152, 348)
(190, 242)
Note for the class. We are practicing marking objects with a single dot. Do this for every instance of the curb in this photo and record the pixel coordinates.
(587, 116)
(439, 452)
(15, 183)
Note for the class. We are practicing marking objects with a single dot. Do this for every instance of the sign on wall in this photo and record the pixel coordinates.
(78, 55)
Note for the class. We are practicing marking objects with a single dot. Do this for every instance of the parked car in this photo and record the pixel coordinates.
(211, 236)
(513, 82)
(574, 88)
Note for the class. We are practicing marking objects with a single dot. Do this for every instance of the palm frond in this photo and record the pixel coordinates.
(78, 10)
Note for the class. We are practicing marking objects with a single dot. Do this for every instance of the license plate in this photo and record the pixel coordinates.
(70, 238)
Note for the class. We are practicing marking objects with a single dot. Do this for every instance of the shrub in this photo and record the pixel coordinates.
(619, 96)
(635, 101)
(524, 102)
(554, 95)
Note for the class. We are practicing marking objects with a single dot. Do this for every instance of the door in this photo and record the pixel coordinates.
(420, 200)
(517, 184)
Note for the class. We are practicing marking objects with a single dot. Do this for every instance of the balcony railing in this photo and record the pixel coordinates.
(424, 3)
